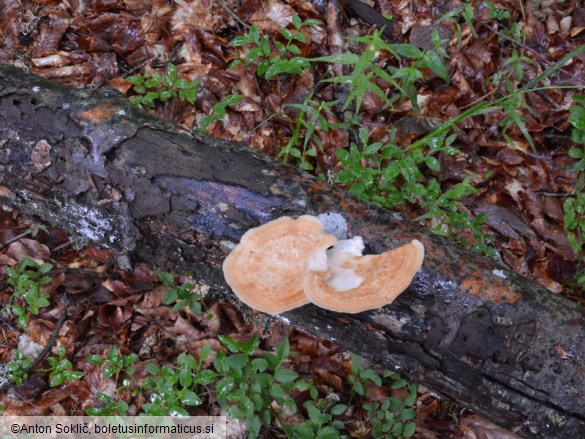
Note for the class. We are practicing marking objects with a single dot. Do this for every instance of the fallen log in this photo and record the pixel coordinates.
(472, 330)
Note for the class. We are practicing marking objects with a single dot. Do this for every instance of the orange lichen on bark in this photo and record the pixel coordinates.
(494, 290)
(100, 114)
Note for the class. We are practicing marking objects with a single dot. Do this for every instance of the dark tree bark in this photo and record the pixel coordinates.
(470, 329)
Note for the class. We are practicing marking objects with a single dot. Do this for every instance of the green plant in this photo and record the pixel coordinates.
(27, 278)
(173, 389)
(269, 62)
(18, 368)
(115, 362)
(249, 386)
(320, 423)
(152, 86)
(574, 206)
(389, 176)
(181, 296)
(389, 418)
(218, 110)
(61, 369)
(496, 13)
(111, 406)
(366, 73)
(311, 118)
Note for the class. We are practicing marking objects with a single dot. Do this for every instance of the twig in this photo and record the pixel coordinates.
(46, 350)
(33, 230)
(234, 15)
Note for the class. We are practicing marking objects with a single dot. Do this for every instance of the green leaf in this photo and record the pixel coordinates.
(259, 364)
(272, 360)
(190, 398)
(262, 67)
(432, 163)
(253, 55)
(339, 409)
(296, 21)
(72, 375)
(135, 79)
(285, 375)
(286, 33)
(152, 83)
(311, 22)
(56, 379)
(172, 71)
(341, 58)
(251, 345)
(300, 37)
(407, 50)
(165, 96)
(236, 361)
(181, 84)
(398, 384)
(407, 414)
(45, 268)
(230, 343)
(254, 33)
(170, 296)
(283, 65)
(283, 349)
(166, 278)
(432, 61)
(205, 377)
(294, 49)
(240, 40)
(189, 95)
(314, 413)
(409, 430)
(327, 433)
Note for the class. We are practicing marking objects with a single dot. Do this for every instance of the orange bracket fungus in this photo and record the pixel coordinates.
(287, 263)
(351, 283)
(266, 268)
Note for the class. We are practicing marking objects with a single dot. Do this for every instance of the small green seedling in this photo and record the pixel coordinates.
(115, 362)
(218, 111)
(182, 296)
(111, 406)
(574, 206)
(61, 369)
(152, 86)
(283, 59)
(18, 368)
(27, 278)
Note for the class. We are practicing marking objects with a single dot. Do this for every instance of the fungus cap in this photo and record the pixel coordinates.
(266, 268)
(353, 283)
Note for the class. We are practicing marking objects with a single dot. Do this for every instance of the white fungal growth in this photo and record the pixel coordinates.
(499, 273)
(90, 223)
(334, 224)
(344, 279)
(340, 278)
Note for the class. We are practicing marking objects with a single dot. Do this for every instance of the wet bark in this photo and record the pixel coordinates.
(470, 329)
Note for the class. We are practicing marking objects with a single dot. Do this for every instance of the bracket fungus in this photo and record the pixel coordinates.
(266, 268)
(287, 263)
(351, 283)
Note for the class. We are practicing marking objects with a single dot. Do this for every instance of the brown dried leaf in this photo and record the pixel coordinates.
(28, 248)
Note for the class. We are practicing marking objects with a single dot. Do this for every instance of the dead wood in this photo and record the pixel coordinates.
(470, 329)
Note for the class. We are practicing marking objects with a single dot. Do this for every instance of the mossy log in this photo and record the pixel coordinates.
(474, 331)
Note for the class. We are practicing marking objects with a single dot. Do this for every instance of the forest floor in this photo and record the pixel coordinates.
(459, 116)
